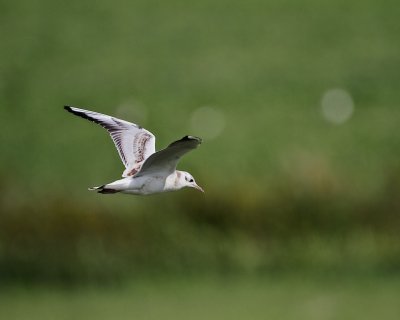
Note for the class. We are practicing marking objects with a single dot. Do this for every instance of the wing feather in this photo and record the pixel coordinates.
(134, 143)
(164, 162)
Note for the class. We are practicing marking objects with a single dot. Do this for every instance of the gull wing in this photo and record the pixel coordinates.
(134, 143)
(164, 162)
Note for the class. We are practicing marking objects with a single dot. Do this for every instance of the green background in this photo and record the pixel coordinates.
(299, 211)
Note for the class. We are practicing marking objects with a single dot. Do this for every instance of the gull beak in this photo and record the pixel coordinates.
(198, 188)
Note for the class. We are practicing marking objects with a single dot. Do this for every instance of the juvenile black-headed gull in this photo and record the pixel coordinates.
(146, 171)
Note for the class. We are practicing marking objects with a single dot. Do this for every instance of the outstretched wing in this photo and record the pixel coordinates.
(134, 143)
(164, 162)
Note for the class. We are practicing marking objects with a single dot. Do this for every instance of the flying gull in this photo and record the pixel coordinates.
(146, 171)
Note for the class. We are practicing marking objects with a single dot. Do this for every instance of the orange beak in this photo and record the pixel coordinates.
(198, 188)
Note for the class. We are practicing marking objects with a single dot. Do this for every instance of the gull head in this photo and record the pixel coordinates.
(187, 180)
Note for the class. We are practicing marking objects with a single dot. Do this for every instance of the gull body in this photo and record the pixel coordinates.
(146, 171)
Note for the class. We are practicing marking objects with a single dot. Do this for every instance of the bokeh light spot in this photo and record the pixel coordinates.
(337, 106)
(207, 122)
(132, 111)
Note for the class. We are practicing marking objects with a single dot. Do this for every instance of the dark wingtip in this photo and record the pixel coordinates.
(192, 138)
(77, 112)
(197, 140)
(69, 109)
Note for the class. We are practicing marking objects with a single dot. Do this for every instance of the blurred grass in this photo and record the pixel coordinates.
(237, 298)
(285, 189)
(75, 243)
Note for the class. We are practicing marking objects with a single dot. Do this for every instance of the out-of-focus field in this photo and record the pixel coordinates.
(287, 298)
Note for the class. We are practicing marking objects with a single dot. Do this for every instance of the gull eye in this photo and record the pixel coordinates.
(191, 180)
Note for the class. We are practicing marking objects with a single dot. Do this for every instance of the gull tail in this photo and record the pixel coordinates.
(103, 189)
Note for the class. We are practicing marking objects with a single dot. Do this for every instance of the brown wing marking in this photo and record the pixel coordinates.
(140, 142)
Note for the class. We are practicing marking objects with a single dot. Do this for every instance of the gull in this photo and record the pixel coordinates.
(146, 171)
